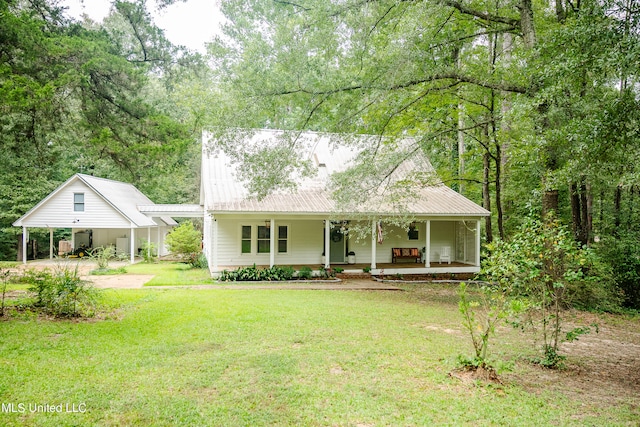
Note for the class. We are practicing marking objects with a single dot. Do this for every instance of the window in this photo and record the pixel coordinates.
(283, 239)
(264, 235)
(78, 202)
(246, 239)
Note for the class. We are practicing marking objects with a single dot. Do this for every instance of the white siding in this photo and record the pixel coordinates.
(305, 242)
(59, 210)
(443, 233)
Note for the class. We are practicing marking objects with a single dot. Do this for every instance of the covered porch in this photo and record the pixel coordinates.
(437, 244)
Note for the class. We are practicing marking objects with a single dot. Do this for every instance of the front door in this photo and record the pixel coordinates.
(337, 246)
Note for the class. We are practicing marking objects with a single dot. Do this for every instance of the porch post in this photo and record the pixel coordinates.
(148, 242)
(374, 242)
(51, 243)
(24, 245)
(212, 252)
(272, 242)
(132, 243)
(327, 237)
(478, 243)
(158, 240)
(427, 250)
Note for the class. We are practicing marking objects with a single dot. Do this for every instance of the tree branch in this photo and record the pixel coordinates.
(489, 17)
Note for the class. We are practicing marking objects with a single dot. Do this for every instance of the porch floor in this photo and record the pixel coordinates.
(358, 267)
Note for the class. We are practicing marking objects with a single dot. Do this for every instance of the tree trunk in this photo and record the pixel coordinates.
(486, 195)
(526, 24)
(499, 191)
(586, 213)
(549, 202)
(616, 209)
(576, 218)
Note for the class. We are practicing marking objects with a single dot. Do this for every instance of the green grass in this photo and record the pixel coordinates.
(9, 264)
(263, 358)
(172, 274)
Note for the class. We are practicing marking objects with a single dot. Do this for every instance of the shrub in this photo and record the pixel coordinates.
(305, 273)
(185, 242)
(149, 252)
(622, 254)
(102, 256)
(544, 267)
(62, 293)
(4, 277)
(252, 273)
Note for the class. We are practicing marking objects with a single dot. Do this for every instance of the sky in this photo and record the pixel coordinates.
(191, 23)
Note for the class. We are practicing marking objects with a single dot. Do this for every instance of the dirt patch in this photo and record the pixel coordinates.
(120, 281)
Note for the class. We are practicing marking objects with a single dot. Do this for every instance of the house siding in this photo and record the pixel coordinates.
(59, 210)
(306, 242)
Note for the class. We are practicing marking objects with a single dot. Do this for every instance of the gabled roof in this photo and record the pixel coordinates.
(122, 197)
(225, 191)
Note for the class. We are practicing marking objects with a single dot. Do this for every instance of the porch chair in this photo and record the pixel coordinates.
(445, 254)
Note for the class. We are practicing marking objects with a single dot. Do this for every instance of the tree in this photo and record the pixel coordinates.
(76, 98)
(185, 241)
(529, 84)
(544, 267)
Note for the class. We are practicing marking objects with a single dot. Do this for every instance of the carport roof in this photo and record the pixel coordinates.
(122, 197)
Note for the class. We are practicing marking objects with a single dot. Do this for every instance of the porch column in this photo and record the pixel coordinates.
(158, 240)
(374, 242)
(272, 242)
(214, 251)
(132, 243)
(327, 237)
(51, 243)
(24, 245)
(148, 242)
(478, 243)
(427, 250)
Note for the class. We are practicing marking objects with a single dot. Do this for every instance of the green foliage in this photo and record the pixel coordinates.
(198, 261)
(543, 266)
(149, 252)
(253, 273)
(102, 256)
(305, 273)
(481, 312)
(185, 241)
(622, 254)
(4, 277)
(61, 292)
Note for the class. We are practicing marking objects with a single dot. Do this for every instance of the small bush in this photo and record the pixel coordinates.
(198, 260)
(249, 274)
(102, 256)
(4, 277)
(149, 252)
(62, 293)
(185, 242)
(305, 273)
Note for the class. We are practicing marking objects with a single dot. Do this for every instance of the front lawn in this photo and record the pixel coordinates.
(172, 274)
(271, 357)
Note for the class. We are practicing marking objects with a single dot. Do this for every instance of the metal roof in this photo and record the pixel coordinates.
(225, 192)
(122, 197)
(183, 211)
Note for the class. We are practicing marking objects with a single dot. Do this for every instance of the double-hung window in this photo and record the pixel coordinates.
(263, 239)
(283, 239)
(246, 239)
(78, 202)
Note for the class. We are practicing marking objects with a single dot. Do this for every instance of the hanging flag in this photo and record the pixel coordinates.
(380, 237)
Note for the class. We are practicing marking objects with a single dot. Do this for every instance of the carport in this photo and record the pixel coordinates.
(105, 210)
